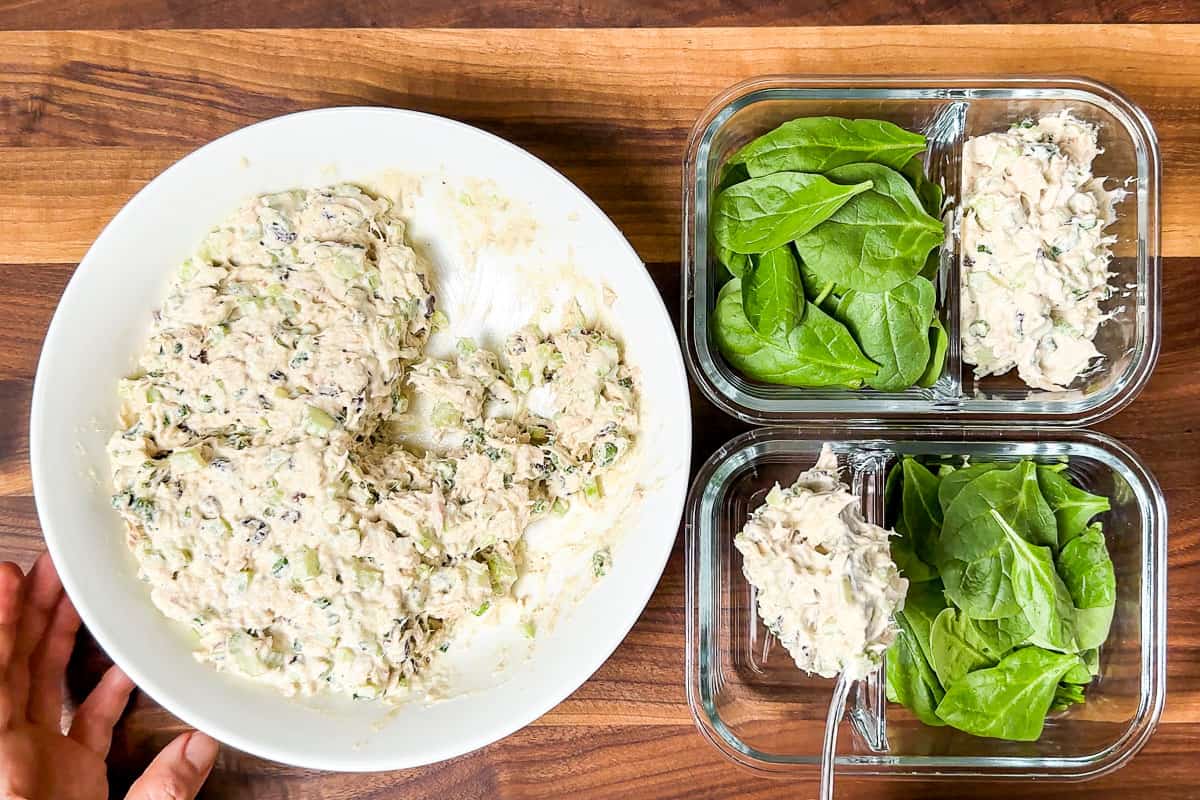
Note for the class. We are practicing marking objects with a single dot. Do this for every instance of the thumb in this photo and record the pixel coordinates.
(178, 772)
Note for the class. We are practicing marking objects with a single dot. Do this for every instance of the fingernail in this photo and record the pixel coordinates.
(200, 751)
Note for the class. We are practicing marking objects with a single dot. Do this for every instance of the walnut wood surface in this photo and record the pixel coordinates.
(55, 14)
(87, 118)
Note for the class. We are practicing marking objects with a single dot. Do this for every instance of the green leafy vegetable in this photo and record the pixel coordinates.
(1043, 597)
(817, 352)
(910, 680)
(1009, 700)
(892, 328)
(971, 530)
(1087, 572)
(983, 587)
(920, 510)
(957, 647)
(939, 343)
(735, 263)
(876, 241)
(929, 193)
(764, 213)
(1073, 507)
(820, 144)
(771, 293)
(957, 480)
(1067, 694)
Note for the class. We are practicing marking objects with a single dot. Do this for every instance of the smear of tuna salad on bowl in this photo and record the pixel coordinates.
(1036, 254)
(266, 468)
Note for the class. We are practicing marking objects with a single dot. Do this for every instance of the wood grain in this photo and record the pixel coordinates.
(49, 14)
(87, 118)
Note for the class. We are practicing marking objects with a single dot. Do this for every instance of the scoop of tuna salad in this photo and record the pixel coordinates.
(1036, 254)
(266, 497)
(824, 577)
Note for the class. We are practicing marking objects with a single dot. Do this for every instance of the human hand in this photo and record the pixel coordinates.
(37, 761)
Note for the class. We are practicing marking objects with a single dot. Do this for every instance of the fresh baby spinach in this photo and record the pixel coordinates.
(1040, 592)
(1009, 700)
(1073, 507)
(939, 343)
(893, 329)
(983, 587)
(957, 647)
(764, 213)
(819, 144)
(771, 295)
(879, 239)
(819, 351)
(971, 530)
(929, 193)
(1012, 620)
(735, 263)
(910, 680)
(1087, 571)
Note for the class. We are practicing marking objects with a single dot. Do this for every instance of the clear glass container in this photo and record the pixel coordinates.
(947, 111)
(749, 699)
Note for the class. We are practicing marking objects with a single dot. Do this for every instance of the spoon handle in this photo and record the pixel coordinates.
(837, 707)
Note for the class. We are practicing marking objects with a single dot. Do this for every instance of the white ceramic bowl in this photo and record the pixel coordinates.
(101, 322)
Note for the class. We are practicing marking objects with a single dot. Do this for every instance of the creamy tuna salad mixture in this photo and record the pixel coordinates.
(1036, 268)
(267, 499)
(826, 583)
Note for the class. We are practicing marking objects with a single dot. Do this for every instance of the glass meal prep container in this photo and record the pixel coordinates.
(750, 700)
(947, 112)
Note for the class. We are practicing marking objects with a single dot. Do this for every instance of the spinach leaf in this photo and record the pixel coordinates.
(819, 144)
(771, 294)
(1009, 700)
(1081, 673)
(1073, 507)
(817, 352)
(764, 213)
(982, 588)
(930, 193)
(971, 530)
(1043, 597)
(919, 506)
(956, 481)
(1005, 634)
(910, 680)
(878, 240)
(904, 553)
(922, 605)
(893, 329)
(1066, 695)
(957, 647)
(735, 263)
(817, 289)
(939, 343)
(1087, 571)
(733, 173)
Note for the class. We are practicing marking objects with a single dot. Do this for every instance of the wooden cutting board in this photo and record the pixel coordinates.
(87, 118)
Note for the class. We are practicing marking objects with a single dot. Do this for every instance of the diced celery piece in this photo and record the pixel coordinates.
(479, 612)
(309, 563)
(367, 577)
(318, 422)
(560, 506)
(187, 270)
(592, 491)
(282, 393)
(445, 415)
(502, 571)
(529, 629)
(438, 320)
(153, 395)
(466, 347)
(242, 650)
(523, 381)
(347, 268)
(188, 460)
(601, 562)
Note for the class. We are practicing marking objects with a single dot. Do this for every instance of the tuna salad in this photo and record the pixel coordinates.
(824, 577)
(267, 498)
(1036, 254)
